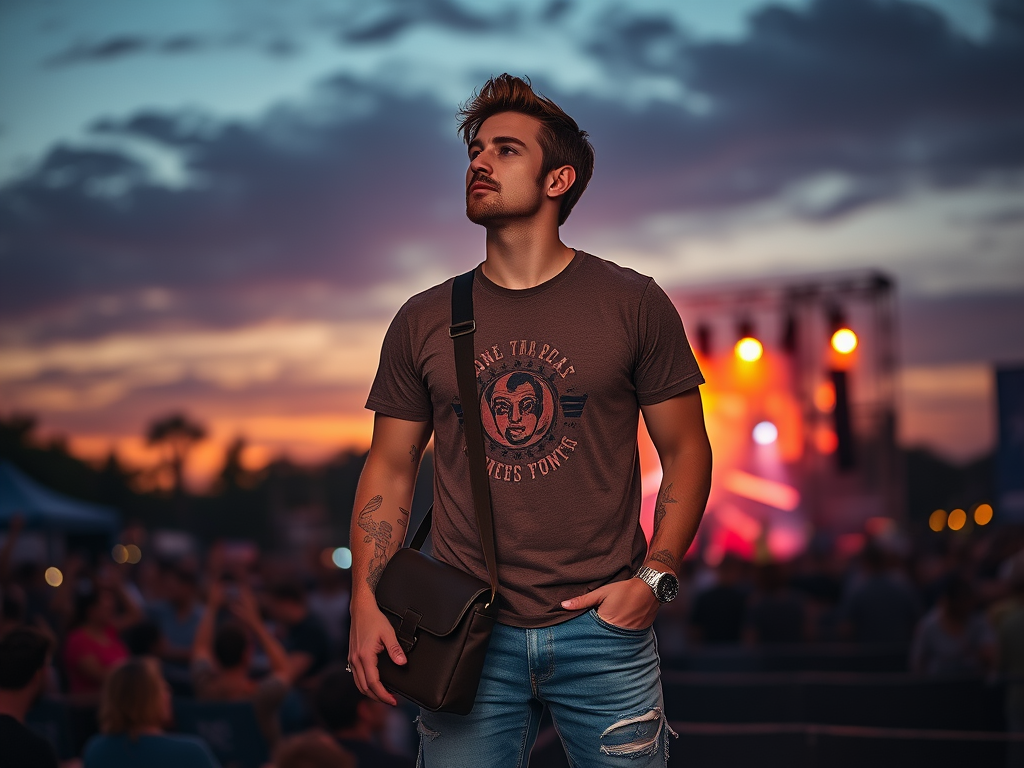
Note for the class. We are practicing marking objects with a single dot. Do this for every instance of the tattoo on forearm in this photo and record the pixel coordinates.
(404, 519)
(380, 534)
(663, 556)
(664, 498)
(414, 451)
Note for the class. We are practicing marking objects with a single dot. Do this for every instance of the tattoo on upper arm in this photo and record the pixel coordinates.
(663, 556)
(404, 519)
(380, 534)
(665, 497)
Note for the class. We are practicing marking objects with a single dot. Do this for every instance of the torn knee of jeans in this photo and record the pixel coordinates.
(422, 730)
(635, 735)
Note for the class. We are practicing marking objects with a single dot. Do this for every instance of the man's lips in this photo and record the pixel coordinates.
(478, 186)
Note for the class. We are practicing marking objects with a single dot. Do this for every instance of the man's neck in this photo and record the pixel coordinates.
(15, 704)
(520, 257)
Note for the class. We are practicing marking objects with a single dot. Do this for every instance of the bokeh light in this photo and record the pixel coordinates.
(134, 554)
(983, 514)
(825, 397)
(826, 440)
(342, 557)
(765, 433)
(937, 520)
(53, 576)
(844, 341)
(120, 554)
(749, 349)
(957, 519)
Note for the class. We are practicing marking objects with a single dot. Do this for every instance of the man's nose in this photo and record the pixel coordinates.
(480, 164)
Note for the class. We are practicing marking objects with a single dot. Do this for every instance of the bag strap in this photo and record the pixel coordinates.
(461, 331)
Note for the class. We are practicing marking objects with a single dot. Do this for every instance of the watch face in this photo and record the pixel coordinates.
(668, 587)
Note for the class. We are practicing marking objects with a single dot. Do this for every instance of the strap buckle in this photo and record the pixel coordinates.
(461, 329)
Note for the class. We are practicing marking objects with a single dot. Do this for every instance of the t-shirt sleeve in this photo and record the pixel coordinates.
(665, 366)
(398, 389)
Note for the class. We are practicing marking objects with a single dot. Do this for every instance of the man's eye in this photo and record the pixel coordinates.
(507, 151)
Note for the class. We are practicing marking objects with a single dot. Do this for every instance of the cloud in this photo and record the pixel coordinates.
(388, 20)
(124, 46)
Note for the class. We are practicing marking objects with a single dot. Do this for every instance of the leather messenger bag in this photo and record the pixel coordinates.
(442, 616)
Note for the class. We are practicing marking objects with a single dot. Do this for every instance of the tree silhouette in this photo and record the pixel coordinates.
(179, 435)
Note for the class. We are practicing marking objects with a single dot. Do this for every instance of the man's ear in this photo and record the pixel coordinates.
(560, 180)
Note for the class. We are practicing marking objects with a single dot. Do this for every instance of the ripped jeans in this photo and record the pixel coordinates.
(600, 682)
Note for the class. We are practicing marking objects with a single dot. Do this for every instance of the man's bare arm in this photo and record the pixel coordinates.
(677, 429)
(379, 524)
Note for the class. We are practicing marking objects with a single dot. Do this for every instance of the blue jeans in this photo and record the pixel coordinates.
(600, 682)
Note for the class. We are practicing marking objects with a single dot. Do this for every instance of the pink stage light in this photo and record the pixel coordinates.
(763, 490)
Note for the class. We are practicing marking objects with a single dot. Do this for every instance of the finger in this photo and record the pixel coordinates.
(366, 672)
(588, 600)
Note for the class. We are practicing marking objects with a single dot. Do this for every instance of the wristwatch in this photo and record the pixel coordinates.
(664, 585)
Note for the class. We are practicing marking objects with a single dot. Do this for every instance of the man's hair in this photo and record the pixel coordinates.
(230, 644)
(562, 141)
(132, 697)
(23, 652)
(336, 700)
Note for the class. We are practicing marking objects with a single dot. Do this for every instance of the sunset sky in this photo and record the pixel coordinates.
(217, 207)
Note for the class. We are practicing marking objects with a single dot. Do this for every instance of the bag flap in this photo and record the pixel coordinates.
(439, 592)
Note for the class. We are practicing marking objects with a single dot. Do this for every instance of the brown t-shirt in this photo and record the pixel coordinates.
(562, 369)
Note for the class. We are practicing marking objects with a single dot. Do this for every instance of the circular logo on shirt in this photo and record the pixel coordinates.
(517, 409)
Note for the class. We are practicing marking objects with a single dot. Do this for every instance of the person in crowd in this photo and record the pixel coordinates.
(329, 602)
(775, 614)
(355, 720)
(305, 639)
(952, 638)
(178, 613)
(134, 707)
(94, 645)
(881, 607)
(1008, 617)
(718, 611)
(24, 664)
(222, 659)
(314, 749)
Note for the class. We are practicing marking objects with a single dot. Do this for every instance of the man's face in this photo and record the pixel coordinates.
(503, 179)
(515, 412)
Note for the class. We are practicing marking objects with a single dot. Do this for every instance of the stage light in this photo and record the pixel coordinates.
(983, 514)
(749, 349)
(844, 341)
(761, 489)
(957, 519)
(120, 554)
(825, 440)
(937, 520)
(134, 554)
(342, 558)
(53, 576)
(825, 397)
(765, 433)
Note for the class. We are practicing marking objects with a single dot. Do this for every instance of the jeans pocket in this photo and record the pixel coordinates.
(627, 631)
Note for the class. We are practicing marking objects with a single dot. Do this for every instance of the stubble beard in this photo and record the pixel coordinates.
(492, 211)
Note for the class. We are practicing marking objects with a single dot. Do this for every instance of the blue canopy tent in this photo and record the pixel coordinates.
(49, 511)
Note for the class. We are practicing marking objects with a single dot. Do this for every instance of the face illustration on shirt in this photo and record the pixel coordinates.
(520, 406)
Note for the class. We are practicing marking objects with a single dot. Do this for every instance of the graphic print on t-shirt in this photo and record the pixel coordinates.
(528, 409)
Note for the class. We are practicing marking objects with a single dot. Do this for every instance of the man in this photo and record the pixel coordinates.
(355, 721)
(24, 661)
(605, 343)
(178, 614)
(305, 638)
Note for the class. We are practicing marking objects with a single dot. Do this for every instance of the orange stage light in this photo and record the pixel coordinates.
(957, 519)
(844, 341)
(749, 349)
(983, 514)
(937, 520)
(825, 397)
(825, 440)
(770, 492)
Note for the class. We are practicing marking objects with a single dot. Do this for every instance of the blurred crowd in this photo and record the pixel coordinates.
(137, 642)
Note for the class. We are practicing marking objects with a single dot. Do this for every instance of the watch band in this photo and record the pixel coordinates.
(664, 585)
